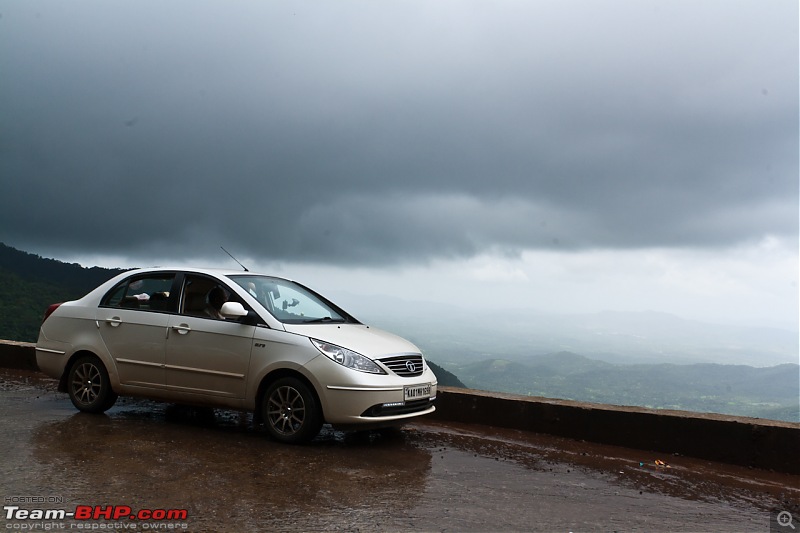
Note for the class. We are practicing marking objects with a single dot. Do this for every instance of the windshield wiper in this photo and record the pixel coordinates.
(324, 320)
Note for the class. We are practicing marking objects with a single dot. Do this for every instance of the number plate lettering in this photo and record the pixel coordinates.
(416, 392)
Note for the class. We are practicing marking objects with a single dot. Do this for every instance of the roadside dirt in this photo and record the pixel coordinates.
(428, 476)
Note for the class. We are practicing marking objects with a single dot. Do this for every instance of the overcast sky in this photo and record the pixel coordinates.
(564, 155)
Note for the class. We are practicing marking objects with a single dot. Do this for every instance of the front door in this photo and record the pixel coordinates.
(207, 354)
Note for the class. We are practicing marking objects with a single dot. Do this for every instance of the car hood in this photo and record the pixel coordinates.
(366, 340)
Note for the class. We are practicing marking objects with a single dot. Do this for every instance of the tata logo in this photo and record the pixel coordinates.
(411, 366)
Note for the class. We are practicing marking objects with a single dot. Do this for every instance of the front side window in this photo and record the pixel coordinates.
(150, 292)
(289, 302)
(203, 296)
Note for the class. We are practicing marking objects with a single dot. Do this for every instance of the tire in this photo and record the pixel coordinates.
(88, 385)
(290, 411)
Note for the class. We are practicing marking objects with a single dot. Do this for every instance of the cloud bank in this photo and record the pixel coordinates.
(406, 132)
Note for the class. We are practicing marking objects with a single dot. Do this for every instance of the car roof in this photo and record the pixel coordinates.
(225, 272)
(202, 270)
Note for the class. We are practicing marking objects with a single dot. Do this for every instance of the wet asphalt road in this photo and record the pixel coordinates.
(428, 476)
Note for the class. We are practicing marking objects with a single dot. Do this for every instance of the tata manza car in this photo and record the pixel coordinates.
(235, 340)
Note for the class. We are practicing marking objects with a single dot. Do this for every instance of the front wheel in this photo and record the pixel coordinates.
(290, 411)
(88, 385)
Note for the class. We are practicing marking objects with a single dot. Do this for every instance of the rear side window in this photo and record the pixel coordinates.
(149, 292)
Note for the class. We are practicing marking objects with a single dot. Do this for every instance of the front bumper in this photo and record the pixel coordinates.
(351, 398)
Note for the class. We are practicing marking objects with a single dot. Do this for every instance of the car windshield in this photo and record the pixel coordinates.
(289, 302)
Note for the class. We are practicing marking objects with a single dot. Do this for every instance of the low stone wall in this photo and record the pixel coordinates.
(751, 442)
(18, 355)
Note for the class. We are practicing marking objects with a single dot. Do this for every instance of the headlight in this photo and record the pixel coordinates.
(348, 358)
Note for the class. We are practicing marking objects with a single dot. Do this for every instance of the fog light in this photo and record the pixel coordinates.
(394, 404)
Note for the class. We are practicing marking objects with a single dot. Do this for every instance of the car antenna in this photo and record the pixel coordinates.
(241, 265)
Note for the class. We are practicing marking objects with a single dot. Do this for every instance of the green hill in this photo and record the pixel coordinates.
(446, 379)
(30, 283)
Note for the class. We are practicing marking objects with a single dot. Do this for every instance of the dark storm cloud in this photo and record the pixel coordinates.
(385, 132)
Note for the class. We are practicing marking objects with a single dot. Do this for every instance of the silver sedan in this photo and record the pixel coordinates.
(234, 340)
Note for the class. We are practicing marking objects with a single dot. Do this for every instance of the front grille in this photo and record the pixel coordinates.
(407, 366)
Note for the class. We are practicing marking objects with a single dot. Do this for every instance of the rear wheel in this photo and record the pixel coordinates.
(88, 385)
(290, 411)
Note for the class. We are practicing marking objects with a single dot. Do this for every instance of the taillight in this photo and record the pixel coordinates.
(50, 310)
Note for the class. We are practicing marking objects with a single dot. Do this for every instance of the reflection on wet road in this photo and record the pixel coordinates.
(427, 476)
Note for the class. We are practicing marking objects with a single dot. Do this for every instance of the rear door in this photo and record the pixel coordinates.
(133, 319)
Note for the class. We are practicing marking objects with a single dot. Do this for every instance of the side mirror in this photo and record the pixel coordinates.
(233, 310)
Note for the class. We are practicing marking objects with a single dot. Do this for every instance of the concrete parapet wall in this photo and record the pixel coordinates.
(18, 355)
(752, 442)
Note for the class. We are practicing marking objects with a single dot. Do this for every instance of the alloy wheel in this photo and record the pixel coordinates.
(286, 410)
(87, 383)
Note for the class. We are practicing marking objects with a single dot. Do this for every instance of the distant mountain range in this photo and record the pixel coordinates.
(646, 359)
(772, 392)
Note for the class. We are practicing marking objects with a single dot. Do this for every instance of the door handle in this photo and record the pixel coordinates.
(183, 329)
(114, 321)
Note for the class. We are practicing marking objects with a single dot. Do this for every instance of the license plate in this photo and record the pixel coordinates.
(416, 392)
